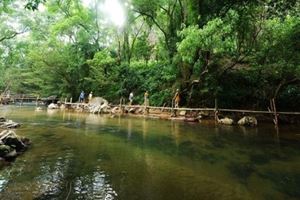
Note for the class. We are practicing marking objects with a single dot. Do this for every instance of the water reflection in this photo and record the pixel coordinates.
(129, 129)
(145, 128)
(52, 112)
(78, 156)
(175, 132)
(95, 119)
(57, 179)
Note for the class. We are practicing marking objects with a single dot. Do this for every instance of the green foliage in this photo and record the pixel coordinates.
(217, 37)
(142, 49)
(242, 52)
(277, 58)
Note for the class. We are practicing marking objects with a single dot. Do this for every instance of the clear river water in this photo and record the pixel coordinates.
(87, 156)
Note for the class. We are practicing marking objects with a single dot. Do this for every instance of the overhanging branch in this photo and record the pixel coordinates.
(12, 35)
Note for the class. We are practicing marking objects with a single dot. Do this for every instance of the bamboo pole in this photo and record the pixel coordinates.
(213, 109)
(216, 110)
(273, 108)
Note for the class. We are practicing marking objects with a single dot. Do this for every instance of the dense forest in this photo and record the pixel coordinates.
(242, 53)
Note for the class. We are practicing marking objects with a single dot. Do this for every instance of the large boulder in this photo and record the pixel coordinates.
(53, 106)
(98, 105)
(98, 101)
(248, 121)
(15, 143)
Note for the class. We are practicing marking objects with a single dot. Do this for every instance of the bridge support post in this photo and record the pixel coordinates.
(273, 109)
(216, 109)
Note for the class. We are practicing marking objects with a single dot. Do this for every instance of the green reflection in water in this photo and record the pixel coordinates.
(82, 156)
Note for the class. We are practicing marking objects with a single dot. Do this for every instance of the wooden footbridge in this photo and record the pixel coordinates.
(193, 113)
(23, 98)
(149, 109)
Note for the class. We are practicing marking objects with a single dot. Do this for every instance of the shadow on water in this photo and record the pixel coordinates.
(241, 170)
(287, 183)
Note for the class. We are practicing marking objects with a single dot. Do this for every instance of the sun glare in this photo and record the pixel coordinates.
(114, 12)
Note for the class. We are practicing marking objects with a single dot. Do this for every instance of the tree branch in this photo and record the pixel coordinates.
(134, 39)
(153, 20)
(181, 11)
(283, 83)
(173, 9)
(164, 9)
(13, 34)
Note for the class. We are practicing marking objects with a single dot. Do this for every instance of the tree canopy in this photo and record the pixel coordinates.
(243, 53)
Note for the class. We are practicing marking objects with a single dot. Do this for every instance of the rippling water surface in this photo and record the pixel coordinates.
(82, 156)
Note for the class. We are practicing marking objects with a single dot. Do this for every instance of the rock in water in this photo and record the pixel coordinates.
(53, 106)
(225, 121)
(4, 150)
(182, 113)
(14, 142)
(98, 105)
(115, 110)
(11, 155)
(132, 110)
(2, 119)
(248, 121)
(9, 124)
(38, 109)
(11, 145)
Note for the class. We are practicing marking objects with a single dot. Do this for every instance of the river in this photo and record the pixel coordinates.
(86, 156)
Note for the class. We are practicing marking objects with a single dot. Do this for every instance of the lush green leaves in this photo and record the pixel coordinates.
(242, 52)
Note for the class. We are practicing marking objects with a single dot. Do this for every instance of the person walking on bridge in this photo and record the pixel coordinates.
(81, 97)
(130, 98)
(176, 99)
(90, 97)
(146, 98)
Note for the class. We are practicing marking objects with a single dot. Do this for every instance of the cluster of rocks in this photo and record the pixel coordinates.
(244, 121)
(100, 105)
(97, 105)
(11, 145)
